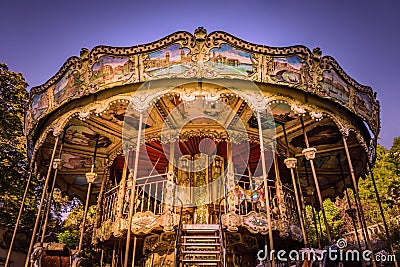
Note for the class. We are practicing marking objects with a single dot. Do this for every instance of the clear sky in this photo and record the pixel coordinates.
(363, 36)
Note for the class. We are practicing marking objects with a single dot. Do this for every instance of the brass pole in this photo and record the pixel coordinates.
(312, 208)
(132, 196)
(348, 200)
(358, 200)
(49, 199)
(90, 182)
(20, 212)
(316, 182)
(46, 184)
(122, 190)
(265, 174)
(99, 212)
(299, 208)
(382, 213)
(291, 164)
(134, 251)
(113, 255)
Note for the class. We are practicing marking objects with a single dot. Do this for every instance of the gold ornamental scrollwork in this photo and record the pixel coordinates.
(144, 223)
(256, 223)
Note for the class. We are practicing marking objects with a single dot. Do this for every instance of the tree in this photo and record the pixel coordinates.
(71, 232)
(13, 157)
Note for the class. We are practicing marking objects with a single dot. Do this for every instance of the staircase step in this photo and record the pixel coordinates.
(200, 252)
(201, 264)
(197, 240)
(203, 261)
(201, 236)
(200, 244)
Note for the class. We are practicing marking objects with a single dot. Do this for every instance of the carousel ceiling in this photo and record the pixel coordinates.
(201, 135)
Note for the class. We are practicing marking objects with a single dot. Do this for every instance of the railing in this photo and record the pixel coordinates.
(109, 204)
(149, 192)
(178, 237)
(221, 235)
(149, 196)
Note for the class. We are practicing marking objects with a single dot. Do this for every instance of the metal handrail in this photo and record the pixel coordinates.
(221, 234)
(178, 235)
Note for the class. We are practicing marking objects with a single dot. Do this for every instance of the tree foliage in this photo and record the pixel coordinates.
(13, 157)
(71, 232)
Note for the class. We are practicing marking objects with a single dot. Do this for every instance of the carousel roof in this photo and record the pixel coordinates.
(88, 99)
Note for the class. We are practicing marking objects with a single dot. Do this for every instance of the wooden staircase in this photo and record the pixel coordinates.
(200, 245)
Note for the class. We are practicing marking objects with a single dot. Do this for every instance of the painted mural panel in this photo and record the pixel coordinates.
(363, 105)
(227, 60)
(40, 103)
(169, 61)
(67, 87)
(287, 69)
(73, 161)
(109, 70)
(83, 136)
(334, 86)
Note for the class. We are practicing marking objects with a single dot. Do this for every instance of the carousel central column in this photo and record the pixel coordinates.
(46, 184)
(309, 153)
(265, 174)
(132, 196)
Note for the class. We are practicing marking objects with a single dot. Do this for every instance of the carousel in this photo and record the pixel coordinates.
(200, 149)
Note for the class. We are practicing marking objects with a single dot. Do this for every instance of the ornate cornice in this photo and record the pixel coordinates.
(201, 55)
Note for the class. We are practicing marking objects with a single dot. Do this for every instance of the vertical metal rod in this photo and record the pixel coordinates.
(90, 182)
(21, 208)
(357, 199)
(46, 184)
(142, 202)
(132, 196)
(300, 192)
(134, 251)
(312, 208)
(348, 199)
(229, 171)
(299, 210)
(321, 203)
(149, 197)
(155, 199)
(122, 189)
(265, 174)
(101, 258)
(382, 213)
(113, 255)
(316, 226)
(99, 211)
(49, 199)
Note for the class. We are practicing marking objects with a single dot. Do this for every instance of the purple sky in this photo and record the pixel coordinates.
(363, 36)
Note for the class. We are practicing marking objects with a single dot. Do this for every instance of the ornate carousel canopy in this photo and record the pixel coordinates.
(86, 103)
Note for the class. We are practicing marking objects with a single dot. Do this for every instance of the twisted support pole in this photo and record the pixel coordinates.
(132, 196)
(90, 177)
(348, 200)
(265, 174)
(57, 164)
(389, 238)
(46, 184)
(358, 200)
(310, 155)
(21, 208)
